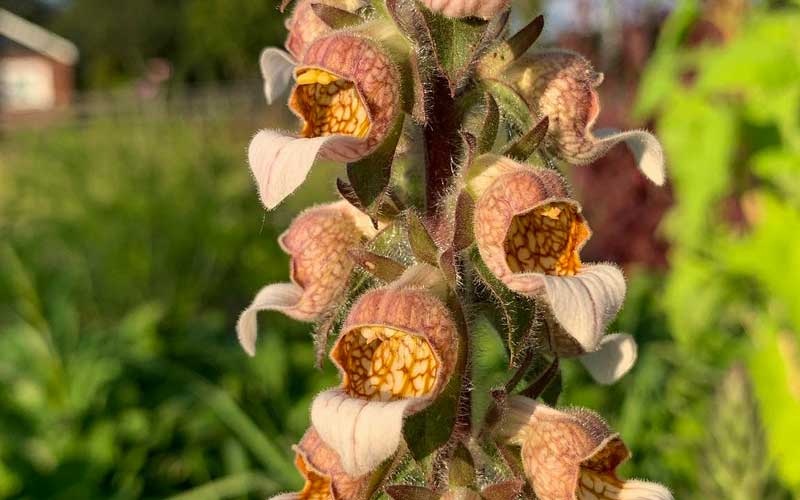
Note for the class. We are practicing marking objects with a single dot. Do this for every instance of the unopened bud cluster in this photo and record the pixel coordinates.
(453, 207)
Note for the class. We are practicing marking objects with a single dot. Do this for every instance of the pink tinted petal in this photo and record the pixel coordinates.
(485, 9)
(280, 163)
(364, 433)
(322, 460)
(585, 304)
(646, 149)
(365, 63)
(582, 305)
(614, 358)
(276, 67)
(281, 297)
(304, 28)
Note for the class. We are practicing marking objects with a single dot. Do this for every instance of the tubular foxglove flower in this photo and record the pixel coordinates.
(571, 454)
(304, 28)
(318, 241)
(484, 9)
(561, 85)
(529, 234)
(396, 353)
(322, 471)
(347, 94)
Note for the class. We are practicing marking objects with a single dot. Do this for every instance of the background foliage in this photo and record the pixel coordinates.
(127, 249)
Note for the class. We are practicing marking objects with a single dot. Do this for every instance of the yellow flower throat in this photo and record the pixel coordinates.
(329, 105)
(317, 487)
(387, 364)
(546, 240)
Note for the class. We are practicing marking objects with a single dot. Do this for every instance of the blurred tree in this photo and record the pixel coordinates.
(116, 42)
(203, 39)
(221, 39)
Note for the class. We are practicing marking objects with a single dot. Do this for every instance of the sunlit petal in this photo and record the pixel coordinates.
(280, 163)
(363, 432)
(277, 68)
(615, 357)
(281, 297)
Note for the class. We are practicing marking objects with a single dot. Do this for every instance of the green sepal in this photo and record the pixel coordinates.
(462, 468)
(370, 177)
(513, 316)
(427, 431)
(505, 490)
(334, 17)
(383, 268)
(553, 391)
(322, 333)
(524, 146)
(346, 191)
(410, 492)
(422, 244)
(463, 234)
(546, 374)
(491, 125)
(455, 42)
(512, 106)
(509, 51)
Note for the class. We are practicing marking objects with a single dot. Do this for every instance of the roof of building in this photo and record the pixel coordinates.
(36, 38)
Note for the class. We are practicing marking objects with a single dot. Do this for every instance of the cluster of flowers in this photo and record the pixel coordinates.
(402, 343)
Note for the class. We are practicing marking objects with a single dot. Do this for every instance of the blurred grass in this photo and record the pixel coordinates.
(127, 251)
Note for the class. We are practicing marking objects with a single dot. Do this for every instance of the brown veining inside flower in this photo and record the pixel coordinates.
(546, 240)
(317, 487)
(329, 105)
(387, 364)
(595, 486)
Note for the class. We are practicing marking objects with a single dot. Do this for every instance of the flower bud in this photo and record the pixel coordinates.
(571, 454)
(305, 27)
(347, 95)
(396, 353)
(561, 85)
(484, 9)
(317, 241)
(529, 235)
(323, 473)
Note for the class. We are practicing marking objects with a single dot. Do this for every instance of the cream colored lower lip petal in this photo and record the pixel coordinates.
(363, 433)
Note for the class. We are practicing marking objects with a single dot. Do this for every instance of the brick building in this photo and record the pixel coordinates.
(36, 70)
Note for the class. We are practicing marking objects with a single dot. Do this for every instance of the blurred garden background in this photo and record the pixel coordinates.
(131, 237)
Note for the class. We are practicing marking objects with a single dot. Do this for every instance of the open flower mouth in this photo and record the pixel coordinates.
(546, 240)
(329, 105)
(596, 486)
(317, 487)
(386, 364)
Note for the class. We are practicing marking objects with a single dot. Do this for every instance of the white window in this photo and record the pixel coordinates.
(26, 84)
